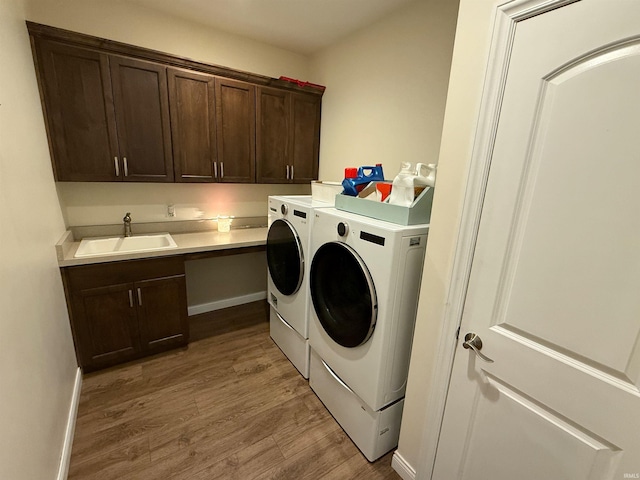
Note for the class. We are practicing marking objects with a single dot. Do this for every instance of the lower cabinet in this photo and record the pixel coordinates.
(120, 311)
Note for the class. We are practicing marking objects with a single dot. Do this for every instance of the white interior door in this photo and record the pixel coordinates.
(554, 289)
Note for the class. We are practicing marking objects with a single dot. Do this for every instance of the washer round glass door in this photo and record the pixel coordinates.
(285, 259)
(343, 294)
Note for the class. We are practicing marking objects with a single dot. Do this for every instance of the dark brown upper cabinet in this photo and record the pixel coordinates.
(287, 137)
(304, 138)
(236, 125)
(272, 135)
(107, 116)
(193, 125)
(116, 112)
(142, 116)
(77, 97)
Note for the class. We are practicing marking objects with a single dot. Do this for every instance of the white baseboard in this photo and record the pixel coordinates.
(400, 465)
(226, 303)
(65, 459)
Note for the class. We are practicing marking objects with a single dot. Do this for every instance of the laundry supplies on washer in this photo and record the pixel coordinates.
(426, 173)
(410, 182)
(356, 179)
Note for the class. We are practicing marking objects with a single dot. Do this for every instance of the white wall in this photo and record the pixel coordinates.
(386, 90)
(37, 360)
(473, 36)
(235, 279)
(128, 22)
(106, 203)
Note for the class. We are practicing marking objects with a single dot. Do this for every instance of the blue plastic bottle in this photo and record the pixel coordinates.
(356, 179)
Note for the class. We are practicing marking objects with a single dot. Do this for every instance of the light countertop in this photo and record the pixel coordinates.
(196, 242)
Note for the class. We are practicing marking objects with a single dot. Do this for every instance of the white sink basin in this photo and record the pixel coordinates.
(97, 247)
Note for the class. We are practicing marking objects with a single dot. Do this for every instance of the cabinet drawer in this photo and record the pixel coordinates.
(373, 432)
(102, 274)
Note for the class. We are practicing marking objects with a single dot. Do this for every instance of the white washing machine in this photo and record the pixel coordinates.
(288, 239)
(364, 283)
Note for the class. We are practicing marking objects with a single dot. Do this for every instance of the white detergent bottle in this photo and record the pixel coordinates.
(402, 190)
(426, 174)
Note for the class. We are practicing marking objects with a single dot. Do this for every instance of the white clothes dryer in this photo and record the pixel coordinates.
(288, 240)
(364, 283)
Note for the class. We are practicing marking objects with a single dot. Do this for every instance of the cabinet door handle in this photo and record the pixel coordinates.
(139, 297)
(130, 298)
(215, 169)
(115, 162)
(287, 172)
(126, 167)
(221, 169)
(291, 173)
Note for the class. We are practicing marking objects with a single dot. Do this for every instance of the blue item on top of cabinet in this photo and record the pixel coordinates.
(356, 180)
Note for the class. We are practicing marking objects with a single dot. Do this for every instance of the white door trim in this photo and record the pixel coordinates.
(505, 21)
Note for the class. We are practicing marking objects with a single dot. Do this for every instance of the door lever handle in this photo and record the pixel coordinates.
(474, 342)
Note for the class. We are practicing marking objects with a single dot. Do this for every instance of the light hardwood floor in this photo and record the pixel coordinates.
(230, 406)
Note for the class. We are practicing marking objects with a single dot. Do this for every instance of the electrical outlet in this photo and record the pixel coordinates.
(171, 210)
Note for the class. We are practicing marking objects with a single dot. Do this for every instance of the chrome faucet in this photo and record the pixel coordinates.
(127, 224)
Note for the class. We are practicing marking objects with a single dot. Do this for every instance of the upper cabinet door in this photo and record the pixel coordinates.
(236, 129)
(76, 87)
(142, 113)
(193, 125)
(272, 135)
(305, 137)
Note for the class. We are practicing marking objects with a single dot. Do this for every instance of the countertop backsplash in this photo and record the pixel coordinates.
(179, 226)
(103, 203)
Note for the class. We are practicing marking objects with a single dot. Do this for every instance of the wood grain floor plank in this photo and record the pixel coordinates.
(228, 435)
(239, 402)
(114, 464)
(139, 419)
(292, 439)
(203, 445)
(314, 461)
(151, 410)
(100, 388)
(357, 469)
(245, 464)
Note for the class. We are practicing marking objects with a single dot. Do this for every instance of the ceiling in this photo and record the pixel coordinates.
(302, 26)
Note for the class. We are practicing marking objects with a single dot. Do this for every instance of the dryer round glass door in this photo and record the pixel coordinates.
(285, 259)
(343, 294)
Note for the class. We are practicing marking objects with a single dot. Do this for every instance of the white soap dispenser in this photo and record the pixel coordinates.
(402, 190)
